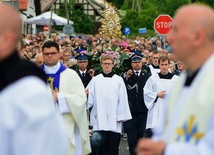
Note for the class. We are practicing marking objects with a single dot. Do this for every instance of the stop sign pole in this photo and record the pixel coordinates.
(163, 25)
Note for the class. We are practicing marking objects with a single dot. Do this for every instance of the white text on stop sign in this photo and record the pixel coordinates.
(164, 24)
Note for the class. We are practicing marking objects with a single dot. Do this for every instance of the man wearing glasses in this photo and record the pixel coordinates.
(108, 98)
(70, 98)
(154, 67)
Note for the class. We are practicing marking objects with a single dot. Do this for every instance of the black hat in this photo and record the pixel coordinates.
(136, 58)
(82, 57)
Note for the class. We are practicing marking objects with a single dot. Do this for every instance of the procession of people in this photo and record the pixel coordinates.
(54, 90)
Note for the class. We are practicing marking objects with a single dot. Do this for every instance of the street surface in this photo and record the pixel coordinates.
(123, 147)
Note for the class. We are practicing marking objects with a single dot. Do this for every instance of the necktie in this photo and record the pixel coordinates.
(136, 73)
(83, 74)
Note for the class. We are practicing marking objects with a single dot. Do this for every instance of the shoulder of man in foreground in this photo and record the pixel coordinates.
(28, 111)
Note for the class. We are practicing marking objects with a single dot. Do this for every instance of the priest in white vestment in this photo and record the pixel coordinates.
(188, 125)
(108, 99)
(70, 98)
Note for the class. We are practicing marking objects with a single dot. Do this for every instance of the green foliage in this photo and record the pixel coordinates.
(150, 11)
(144, 19)
(172, 6)
(207, 2)
(117, 3)
(82, 23)
(121, 60)
(126, 5)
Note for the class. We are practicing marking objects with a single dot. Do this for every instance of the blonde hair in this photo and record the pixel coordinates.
(107, 57)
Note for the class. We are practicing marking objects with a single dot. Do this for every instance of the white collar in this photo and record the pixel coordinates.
(52, 69)
(137, 71)
(82, 71)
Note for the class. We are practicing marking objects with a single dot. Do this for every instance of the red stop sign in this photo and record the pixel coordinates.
(163, 24)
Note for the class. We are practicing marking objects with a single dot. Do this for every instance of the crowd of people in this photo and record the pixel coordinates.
(71, 47)
(161, 110)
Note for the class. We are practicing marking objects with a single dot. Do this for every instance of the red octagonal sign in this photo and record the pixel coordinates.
(163, 24)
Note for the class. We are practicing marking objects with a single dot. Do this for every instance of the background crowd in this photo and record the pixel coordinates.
(95, 47)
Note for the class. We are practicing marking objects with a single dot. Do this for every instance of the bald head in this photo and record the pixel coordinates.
(192, 39)
(10, 30)
(199, 16)
(9, 14)
(39, 59)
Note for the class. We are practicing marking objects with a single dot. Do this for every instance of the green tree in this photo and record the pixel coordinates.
(82, 23)
(149, 12)
(208, 2)
(172, 6)
(142, 19)
(117, 3)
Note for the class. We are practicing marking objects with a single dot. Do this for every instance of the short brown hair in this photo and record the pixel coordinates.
(107, 57)
(156, 52)
(163, 58)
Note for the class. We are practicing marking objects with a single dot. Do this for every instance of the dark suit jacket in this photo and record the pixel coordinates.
(86, 79)
(146, 69)
(134, 87)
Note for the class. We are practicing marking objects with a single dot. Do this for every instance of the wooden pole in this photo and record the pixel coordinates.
(50, 23)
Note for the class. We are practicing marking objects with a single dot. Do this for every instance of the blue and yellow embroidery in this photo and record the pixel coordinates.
(189, 131)
(51, 81)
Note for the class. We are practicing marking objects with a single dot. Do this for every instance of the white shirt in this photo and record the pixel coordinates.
(137, 72)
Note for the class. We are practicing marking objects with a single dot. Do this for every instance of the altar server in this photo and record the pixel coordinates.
(154, 67)
(155, 90)
(108, 99)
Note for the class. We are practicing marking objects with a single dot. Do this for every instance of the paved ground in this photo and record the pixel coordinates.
(123, 147)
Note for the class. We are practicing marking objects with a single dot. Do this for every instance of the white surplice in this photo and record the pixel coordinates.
(191, 106)
(153, 70)
(109, 102)
(153, 86)
(29, 124)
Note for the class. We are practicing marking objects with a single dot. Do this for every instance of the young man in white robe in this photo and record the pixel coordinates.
(157, 86)
(70, 98)
(29, 124)
(154, 67)
(108, 99)
(188, 126)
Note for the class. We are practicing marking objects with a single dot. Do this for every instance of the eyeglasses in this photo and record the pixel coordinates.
(155, 57)
(105, 64)
(51, 53)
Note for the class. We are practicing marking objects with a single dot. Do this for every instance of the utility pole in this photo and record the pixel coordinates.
(67, 13)
(50, 23)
